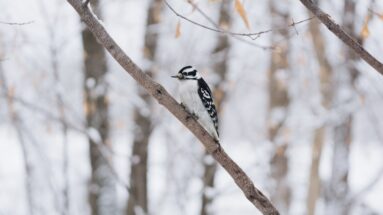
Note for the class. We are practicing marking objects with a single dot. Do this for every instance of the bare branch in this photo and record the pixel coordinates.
(239, 38)
(255, 196)
(252, 35)
(16, 23)
(342, 35)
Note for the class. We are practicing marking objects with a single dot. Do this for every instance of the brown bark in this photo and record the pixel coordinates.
(325, 78)
(279, 102)
(350, 41)
(139, 169)
(102, 191)
(255, 196)
(220, 67)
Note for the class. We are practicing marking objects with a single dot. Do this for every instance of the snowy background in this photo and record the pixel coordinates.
(28, 53)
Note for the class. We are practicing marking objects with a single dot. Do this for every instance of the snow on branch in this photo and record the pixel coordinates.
(342, 35)
(255, 196)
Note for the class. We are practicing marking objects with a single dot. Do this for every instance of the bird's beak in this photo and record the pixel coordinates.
(176, 76)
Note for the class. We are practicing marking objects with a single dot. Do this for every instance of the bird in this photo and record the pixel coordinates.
(197, 99)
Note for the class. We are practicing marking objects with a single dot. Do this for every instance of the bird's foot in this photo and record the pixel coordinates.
(218, 145)
(183, 106)
(191, 116)
(195, 116)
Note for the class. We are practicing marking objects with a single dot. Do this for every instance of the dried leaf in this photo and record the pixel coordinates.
(241, 11)
(381, 16)
(365, 31)
(178, 29)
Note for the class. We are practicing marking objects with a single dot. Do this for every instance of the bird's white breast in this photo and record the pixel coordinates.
(190, 98)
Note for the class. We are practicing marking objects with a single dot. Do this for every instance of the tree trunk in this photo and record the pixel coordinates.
(278, 104)
(325, 78)
(220, 67)
(338, 189)
(138, 199)
(102, 191)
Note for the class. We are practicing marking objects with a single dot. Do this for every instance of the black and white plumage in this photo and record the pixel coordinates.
(197, 98)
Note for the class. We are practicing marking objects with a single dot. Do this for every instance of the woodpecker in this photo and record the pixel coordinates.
(197, 99)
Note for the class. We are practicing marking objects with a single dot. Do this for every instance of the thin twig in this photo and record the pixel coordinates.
(16, 23)
(296, 31)
(252, 35)
(239, 38)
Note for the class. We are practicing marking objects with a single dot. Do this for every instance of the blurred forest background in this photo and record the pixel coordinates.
(299, 111)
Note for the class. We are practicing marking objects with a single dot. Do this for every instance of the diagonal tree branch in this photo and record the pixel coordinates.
(256, 197)
(342, 35)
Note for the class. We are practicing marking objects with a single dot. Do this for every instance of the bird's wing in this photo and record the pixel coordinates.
(206, 97)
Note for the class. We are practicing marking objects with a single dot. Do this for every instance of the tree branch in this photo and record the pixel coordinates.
(342, 35)
(16, 23)
(163, 97)
(216, 25)
(252, 35)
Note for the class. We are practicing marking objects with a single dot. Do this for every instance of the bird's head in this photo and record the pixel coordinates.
(187, 73)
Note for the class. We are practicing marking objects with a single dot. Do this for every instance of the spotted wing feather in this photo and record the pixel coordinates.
(206, 97)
